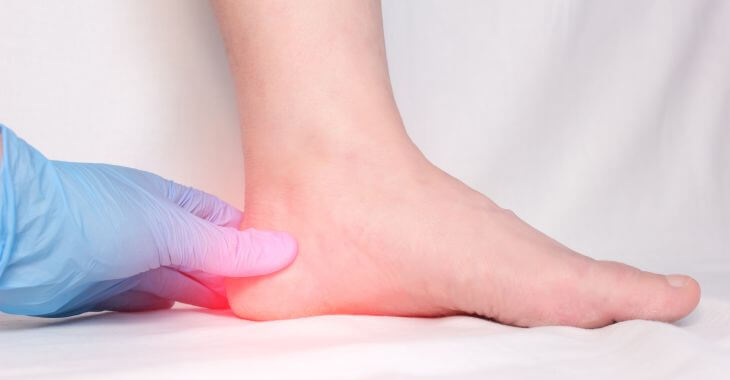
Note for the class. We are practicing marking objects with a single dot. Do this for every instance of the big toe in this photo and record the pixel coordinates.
(630, 293)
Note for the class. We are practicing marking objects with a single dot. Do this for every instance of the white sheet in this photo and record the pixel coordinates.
(188, 342)
(606, 124)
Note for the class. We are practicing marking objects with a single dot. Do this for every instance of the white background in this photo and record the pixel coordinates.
(605, 124)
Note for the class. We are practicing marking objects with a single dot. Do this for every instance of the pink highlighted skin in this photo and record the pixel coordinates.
(380, 229)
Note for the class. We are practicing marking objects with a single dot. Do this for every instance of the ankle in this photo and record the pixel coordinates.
(297, 149)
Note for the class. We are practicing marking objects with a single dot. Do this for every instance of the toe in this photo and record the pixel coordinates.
(630, 293)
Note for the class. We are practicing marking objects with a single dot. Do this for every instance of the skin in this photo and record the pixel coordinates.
(380, 229)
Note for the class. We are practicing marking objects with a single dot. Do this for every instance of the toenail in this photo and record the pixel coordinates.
(676, 280)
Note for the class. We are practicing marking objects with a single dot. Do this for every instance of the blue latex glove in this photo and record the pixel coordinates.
(78, 237)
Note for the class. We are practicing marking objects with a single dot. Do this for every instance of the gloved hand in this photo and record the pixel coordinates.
(78, 237)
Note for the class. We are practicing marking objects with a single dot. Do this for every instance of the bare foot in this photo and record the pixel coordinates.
(382, 231)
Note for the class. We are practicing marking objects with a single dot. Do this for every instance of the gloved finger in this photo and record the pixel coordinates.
(204, 205)
(226, 251)
(194, 201)
(133, 300)
(174, 285)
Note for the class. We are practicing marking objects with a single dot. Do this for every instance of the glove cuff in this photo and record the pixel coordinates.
(7, 200)
(26, 183)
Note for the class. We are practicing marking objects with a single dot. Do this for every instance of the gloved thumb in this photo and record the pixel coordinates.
(225, 251)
